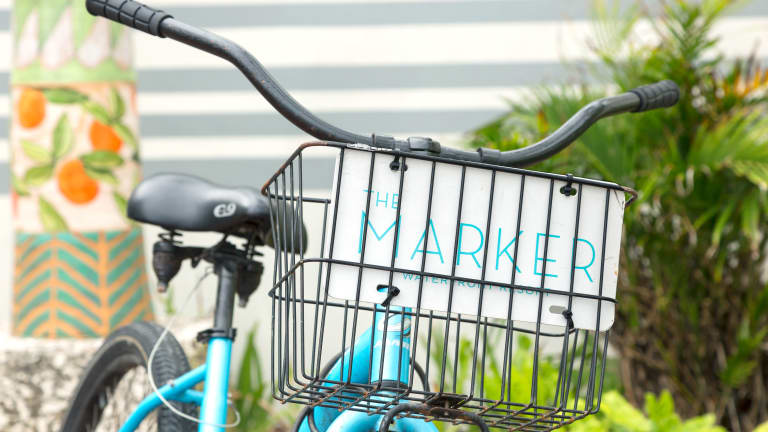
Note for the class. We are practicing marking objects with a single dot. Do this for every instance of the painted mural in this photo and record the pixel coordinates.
(79, 263)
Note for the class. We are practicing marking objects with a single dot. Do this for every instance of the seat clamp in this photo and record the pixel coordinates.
(206, 335)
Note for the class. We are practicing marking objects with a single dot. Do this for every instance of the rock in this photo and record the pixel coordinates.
(38, 377)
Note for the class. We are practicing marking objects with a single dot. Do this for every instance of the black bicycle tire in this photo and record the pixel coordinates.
(124, 349)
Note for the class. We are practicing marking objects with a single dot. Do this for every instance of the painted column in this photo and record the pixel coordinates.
(79, 263)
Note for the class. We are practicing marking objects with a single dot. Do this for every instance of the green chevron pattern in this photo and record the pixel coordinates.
(79, 284)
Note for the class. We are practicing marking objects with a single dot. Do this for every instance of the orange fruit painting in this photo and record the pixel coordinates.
(103, 137)
(31, 108)
(75, 184)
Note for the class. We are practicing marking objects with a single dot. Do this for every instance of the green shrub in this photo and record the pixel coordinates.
(618, 415)
(252, 396)
(693, 303)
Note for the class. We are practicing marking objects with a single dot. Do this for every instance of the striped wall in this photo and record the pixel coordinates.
(398, 67)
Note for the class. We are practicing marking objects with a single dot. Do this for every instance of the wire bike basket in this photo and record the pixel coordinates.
(460, 286)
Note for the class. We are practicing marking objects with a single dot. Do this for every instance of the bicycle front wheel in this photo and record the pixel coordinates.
(115, 381)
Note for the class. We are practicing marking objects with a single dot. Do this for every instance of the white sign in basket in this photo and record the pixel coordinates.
(482, 251)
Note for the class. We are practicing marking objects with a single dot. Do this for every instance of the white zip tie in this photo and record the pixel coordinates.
(173, 409)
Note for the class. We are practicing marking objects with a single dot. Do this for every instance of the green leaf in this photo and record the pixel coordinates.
(63, 138)
(721, 222)
(101, 159)
(124, 132)
(117, 103)
(524, 343)
(755, 171)
(101, 174)
(618, 411)
(121, 203)
(168, 305)
(252, 389)
(750, 218)
(50, 218)
(63, 95)
(18, 185)
(661, 411)
(762, 428)
(35, 152)
(97, 111)
(38, 175)
(705, 423)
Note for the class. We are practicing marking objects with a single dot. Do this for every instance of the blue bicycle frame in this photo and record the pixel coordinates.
(213, 400)
(214, 373)
(391, 342)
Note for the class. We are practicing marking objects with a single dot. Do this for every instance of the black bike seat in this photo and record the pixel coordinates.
(189, 203)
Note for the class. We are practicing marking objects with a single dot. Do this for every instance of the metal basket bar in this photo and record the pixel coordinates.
(563, 414)
(288, 275)
(566, 383)
(510, 329)
(480, 301)
(591, 385)
(442, 160)
(535, 383)
(414, 345)
(302, 314)
(438, 317)
(450, 286)
(360, 274)
(328, 273)
(314, 371)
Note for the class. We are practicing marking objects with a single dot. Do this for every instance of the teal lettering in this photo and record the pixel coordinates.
(472, 254)
(505, 252)
(375, 233)
(379, 200)
(537, 259)
(410, 276)
(438, 252)
(592, 261)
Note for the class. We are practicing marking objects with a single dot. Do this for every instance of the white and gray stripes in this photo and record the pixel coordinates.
(398, 67)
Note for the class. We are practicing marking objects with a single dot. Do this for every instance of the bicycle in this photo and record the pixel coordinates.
(418, 297)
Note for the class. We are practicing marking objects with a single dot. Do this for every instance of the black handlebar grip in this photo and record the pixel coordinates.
(130, 13)
(662, 94)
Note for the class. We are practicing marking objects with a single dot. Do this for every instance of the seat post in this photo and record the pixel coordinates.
(213, 411)
(228, 274)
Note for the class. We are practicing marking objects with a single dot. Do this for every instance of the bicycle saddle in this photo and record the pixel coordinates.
(189, 203)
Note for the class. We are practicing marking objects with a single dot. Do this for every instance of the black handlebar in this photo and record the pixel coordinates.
(659, 95)
(158, 23)
(130, 13)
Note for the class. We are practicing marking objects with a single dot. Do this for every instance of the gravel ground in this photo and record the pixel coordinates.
(38, 376)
